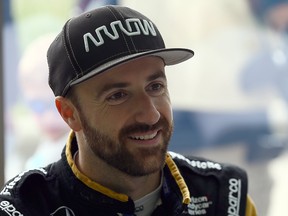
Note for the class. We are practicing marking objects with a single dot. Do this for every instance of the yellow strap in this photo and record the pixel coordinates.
(179, 179)
(250, 207)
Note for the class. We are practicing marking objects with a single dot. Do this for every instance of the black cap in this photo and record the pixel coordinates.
(101, 39)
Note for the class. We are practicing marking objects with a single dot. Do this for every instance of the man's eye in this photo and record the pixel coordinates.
(117, 97)
(157, 86)
(156, 89)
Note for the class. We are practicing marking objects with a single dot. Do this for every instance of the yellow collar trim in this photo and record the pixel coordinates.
(122, 197)
(179, 179)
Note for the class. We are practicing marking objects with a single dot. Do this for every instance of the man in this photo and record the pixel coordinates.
(107, 71)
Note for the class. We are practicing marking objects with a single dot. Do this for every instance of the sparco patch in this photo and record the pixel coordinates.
(234, 197)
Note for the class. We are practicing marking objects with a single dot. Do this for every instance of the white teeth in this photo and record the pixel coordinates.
(145, 137)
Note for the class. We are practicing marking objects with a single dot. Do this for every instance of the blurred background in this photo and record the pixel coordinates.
(230, 99)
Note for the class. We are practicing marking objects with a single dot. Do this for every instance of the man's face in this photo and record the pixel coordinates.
(126, 116)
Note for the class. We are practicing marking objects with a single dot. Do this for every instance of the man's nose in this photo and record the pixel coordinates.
(146, 110)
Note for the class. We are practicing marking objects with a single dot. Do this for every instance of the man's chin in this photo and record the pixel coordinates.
(151, 161)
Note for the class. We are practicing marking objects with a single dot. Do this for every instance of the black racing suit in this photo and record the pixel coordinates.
(190, 187)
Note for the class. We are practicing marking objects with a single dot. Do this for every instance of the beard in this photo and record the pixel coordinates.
(134, 162)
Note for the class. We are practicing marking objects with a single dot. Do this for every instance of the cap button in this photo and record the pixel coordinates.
(88, 15)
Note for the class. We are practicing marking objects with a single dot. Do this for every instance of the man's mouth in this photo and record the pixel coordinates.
(144, 137)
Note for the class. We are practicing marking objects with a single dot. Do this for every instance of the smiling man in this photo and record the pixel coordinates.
(107, 71)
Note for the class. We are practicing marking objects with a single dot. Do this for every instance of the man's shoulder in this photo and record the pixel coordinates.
(24, 188)
(223, 182)
(22, 180)
(206, 167)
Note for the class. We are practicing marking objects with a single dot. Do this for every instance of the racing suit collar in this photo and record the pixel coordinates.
(170, 170)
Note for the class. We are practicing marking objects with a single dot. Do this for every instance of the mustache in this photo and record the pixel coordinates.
(138, 127)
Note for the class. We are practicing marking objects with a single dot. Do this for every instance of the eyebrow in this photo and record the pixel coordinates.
(158, 74)
(106, 87)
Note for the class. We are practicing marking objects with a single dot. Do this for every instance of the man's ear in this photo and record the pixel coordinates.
(68, 112)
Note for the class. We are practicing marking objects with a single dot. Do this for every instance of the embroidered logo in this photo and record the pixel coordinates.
(140, 27)
(199, 205)
(196, 163)
(63, 210)
(234, 197)
(7, 207)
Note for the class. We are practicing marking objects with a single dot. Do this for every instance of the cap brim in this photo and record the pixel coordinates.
(170, 56)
